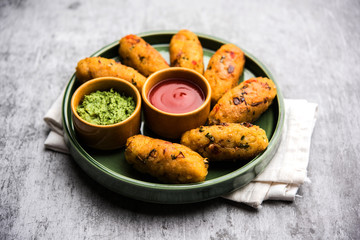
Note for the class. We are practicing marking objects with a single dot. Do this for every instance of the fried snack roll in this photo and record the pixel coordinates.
(228, 141)
(137, 53)
(94, 67)
(186, 51)
(224, 69)
(168, 162)
(244, 103)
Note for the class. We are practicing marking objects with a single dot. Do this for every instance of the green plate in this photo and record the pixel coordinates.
(110, 169)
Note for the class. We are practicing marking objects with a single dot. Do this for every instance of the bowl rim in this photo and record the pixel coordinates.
(175, 69)
(97, 81)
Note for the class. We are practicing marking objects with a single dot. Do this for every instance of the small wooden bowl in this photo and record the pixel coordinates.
(173, 125)
(106, 137)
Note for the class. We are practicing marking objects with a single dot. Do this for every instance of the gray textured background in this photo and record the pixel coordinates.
(312, 48)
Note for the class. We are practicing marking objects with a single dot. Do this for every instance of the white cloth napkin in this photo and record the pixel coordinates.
(281, 178)
(55, 140)
(287, 170)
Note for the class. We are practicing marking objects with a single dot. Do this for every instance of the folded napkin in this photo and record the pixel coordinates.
(55, 140)
(281, 178)
(287, 170)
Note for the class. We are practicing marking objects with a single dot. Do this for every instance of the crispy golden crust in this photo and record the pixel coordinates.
(94, 67)
(186, 51)
(244, 103)
(224, 70)
(137, 53)
(230, 141)
(168, 162)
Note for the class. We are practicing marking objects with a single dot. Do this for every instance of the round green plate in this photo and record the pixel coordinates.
(110, 168)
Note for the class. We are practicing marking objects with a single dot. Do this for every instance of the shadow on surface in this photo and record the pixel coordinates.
(155, 209)
(241, 206)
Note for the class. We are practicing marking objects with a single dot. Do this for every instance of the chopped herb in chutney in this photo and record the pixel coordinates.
(105, 107)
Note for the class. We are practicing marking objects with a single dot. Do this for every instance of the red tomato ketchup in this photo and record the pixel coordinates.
(176, 95)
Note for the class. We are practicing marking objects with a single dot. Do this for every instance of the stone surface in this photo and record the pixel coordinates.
(312, 47)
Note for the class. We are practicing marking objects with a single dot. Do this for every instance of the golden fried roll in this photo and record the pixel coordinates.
(186, 51)
(224, 70)
(94, 67)
(244, 103)
(228, 141)
(168, 162)
(137, 53)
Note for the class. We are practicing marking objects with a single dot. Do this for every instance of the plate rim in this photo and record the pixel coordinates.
(275, 138)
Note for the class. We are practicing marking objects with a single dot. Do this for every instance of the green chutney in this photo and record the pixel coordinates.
(105, 107)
